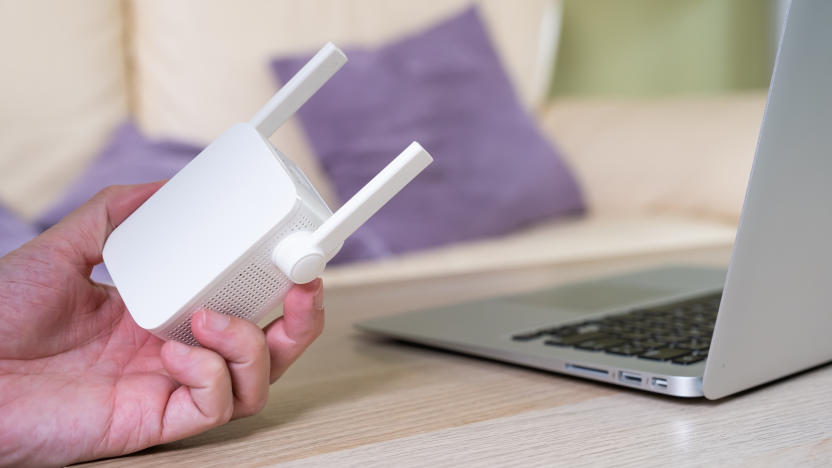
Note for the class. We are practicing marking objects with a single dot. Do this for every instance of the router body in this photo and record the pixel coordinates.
(237, 226)
(205, 239)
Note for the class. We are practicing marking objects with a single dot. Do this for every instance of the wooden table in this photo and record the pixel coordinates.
(357, 400)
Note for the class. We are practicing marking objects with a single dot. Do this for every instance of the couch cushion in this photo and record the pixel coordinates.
(445, 87)
(127, 158)
(64, 90)
(201, 66)
(560, 242)
(14, 232)
(682, 155)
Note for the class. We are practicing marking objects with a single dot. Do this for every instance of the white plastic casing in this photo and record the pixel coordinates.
(240, 223)
(205, 239)
(303, 255)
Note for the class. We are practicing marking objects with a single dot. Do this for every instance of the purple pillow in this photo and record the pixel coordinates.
(14, 232)
(128, 158)
(493, 170)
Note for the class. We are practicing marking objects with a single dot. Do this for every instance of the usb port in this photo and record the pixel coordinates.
(629, 378)
(659, 382)
(587, 370)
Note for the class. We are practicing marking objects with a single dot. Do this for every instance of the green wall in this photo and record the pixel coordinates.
(659, 47)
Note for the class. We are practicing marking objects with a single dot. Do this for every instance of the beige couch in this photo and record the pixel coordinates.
(658, 176)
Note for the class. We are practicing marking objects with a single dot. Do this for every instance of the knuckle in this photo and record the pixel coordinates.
(222, 416)
(217, 370)
(320, 325)
(237, 326)
(259, 404)
(263, 349)
(107, 192)
(226, 414)
(316, 330)
(257, 339)
(258, 350)
(249, 340)
(250, 408)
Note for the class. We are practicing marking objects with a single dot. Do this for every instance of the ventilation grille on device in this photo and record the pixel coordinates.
(250, 291)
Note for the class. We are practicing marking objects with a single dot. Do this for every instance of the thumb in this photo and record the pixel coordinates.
(79, 237)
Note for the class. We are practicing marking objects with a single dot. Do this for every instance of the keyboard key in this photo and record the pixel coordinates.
(664, 354)
(617, 329)
(527, 336)
(679, 332)
(574, 339)
(694, 345)
(598, 345)
(697, 333)
(635, 336)
(589, 327)
(690, 359)
(654, 330)
(648, 344)
(561, 331)
(680, 312)
(670, 338)
(698, 308)
(625, 350)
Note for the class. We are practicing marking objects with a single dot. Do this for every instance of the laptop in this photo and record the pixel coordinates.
(687, 331)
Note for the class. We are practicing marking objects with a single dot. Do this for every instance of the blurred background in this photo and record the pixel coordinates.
(562, 130)
(655, 47)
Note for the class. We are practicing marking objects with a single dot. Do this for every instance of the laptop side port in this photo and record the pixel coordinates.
(659, 382)
(587, 370)
(630, 378)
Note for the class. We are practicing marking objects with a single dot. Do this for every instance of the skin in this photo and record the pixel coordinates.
(79, 380)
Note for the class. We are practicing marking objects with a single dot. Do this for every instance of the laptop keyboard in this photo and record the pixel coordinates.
(679, 333)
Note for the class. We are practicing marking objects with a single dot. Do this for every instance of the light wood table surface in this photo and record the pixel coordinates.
(355, 400)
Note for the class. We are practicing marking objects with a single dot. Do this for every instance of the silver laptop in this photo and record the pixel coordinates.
(692, 332)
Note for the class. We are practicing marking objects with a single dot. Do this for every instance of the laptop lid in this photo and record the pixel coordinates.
(776, 312)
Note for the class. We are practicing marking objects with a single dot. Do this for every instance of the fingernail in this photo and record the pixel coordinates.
(179, 348)
(215, 321)
(319, 296)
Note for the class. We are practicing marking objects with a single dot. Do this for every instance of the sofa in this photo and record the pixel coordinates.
(658, 175)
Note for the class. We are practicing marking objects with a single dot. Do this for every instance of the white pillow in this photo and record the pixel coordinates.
(64, 90)
(201, 66)
(680, 155)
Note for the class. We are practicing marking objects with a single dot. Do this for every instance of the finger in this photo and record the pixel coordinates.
(302, 322)
(204, 400)
(80, 236)
(243, 345)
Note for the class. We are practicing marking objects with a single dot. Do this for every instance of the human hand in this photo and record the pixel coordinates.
(80, 380)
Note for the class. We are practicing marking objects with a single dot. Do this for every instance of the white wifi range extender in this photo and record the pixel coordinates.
(240, 223)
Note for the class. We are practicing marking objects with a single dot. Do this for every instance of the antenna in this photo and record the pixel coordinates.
(306, 82)
(302, 255)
